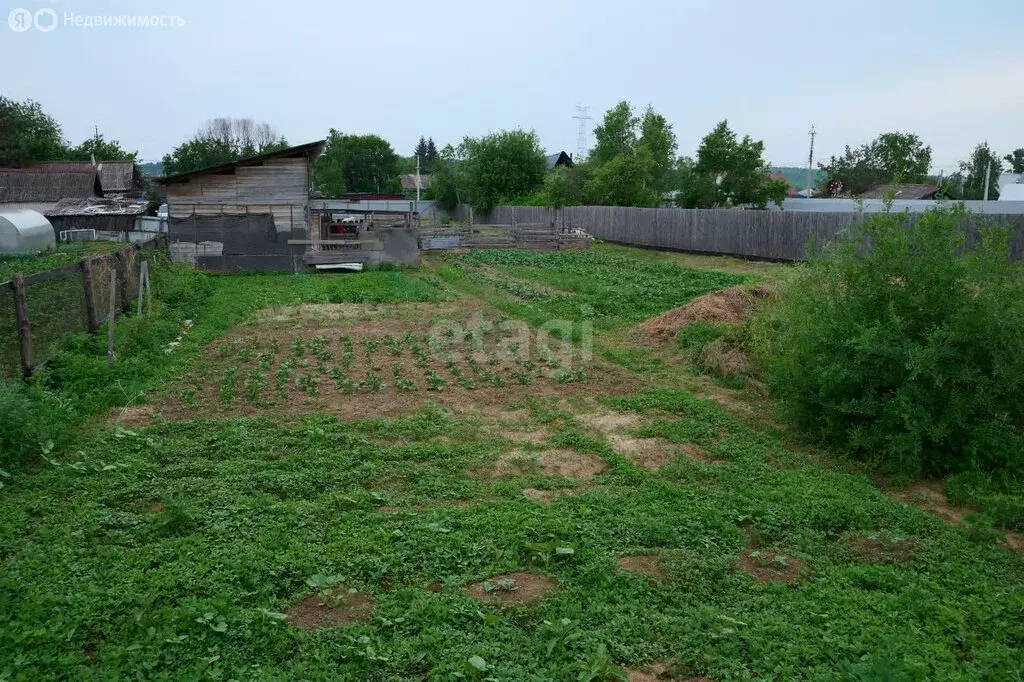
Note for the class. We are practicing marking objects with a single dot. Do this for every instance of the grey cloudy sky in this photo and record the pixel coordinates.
(950, 70)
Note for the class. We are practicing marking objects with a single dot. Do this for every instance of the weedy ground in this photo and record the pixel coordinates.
(640, 519)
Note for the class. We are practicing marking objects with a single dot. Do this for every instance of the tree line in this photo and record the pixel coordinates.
(634, 162)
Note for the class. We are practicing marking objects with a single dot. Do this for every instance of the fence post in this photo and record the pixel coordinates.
(24, 335)
(90, 300)
(122, 280)
(110, 317)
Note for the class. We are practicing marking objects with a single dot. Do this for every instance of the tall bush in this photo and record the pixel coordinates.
(903, 344)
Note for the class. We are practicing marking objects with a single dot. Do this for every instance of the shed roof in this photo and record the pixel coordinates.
(115, 176)
(559, 159)
(906, 191)
(310, 150)
(40, 185)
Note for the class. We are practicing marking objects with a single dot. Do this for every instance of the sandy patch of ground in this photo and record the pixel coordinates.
(557, 462)
(647, 565)
(608, 421)
(659, 671)
(929, 496)
(546, 496)
(511, 588)
(342, 607)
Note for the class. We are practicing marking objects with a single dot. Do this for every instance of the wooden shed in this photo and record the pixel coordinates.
(276, 183)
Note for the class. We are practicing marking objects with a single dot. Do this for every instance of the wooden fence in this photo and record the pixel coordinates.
(769, 235)
(37, 310)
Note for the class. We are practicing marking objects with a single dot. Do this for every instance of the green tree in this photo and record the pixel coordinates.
(421, 150)
(729, 172)
(1016, 160)
(447, 182)
(615, 135)
(889, 158)
(357, 163)
(27, 134)
(431, 152)
(98, 148)
(565, 186)
(222, 140)
(971, 177)
(658, 142)
(501, 166)
(623, 181)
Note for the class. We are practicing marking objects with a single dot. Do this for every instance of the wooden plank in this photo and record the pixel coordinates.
(24, 333)
(91, 322)
(121, 257)
(56, 273)
(110, 318)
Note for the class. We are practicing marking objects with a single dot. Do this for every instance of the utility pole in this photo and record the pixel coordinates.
(988, 172)
(417, 182)
(810, 162)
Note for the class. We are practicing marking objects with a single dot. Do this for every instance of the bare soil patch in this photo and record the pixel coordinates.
(649, 453)
(511, 588)
(768, 567)
(659, 671)
(1014, 540)
(341, 608)
(727, 306)
(156, 508)
(558, 462)
(545, 496)
(356, 361)
(609, 421)
(929, 496)
(874, 549)
(648, 565)
(134, 415)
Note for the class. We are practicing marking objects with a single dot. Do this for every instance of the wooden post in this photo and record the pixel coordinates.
(110, 318)
(149, 291)
(143, 285)
(122, 277)
(90, 299)
(21, 314)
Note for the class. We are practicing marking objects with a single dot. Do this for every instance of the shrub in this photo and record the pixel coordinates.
(904, 344)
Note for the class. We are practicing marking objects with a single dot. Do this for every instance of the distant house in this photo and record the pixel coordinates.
(791, 191)
(560, 159)
(40, 189)
(116, 177)
(410, 182)
(114, 215)
(1011, 187)
(903, 192)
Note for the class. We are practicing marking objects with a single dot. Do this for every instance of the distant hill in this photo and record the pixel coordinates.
(154, 170)
(798, 176)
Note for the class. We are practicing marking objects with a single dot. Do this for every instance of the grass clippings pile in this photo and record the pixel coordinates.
(727, 306)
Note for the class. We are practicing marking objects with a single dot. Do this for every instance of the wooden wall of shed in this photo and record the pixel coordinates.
(278, 186)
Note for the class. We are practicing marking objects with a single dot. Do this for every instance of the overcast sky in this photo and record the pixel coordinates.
(951, 71)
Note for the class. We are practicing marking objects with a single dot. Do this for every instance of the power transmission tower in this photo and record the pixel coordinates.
(810, 162)
(581, 131)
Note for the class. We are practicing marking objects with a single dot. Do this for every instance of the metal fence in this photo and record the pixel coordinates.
(37, 310)
(771, 235)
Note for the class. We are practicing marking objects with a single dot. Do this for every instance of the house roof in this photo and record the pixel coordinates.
(310, 150)
(906, 191)
(791, 191)
(115, 176)
(409, 181)
(39, 185)
(97, 206)
(559, 159)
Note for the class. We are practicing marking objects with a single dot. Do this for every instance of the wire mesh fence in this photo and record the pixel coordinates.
(57, 302)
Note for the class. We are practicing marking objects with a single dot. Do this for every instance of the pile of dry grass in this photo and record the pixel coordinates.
(728, 306)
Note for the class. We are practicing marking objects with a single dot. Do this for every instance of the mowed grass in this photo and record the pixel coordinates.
(174, 551)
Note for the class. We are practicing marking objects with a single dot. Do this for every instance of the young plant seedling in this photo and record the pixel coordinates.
(401, 383)
(228, 385)
(435, 382)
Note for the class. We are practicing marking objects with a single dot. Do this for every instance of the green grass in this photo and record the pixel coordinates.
(170, 552)
(62, 254)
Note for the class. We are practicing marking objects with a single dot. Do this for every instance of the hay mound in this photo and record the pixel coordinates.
(728, 306)
(720, 359)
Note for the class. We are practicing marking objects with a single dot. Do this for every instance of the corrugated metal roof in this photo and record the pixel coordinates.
(906, 192)
(38, 185)
(97, 206)
(409, 181)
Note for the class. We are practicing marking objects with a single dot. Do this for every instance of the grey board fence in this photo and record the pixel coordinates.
(769, 235)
